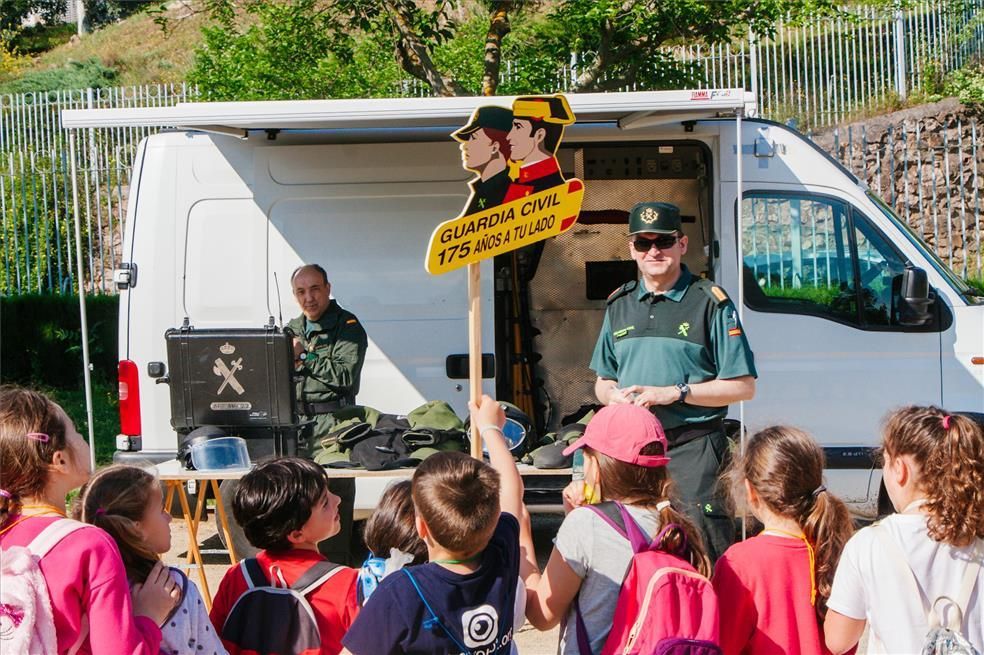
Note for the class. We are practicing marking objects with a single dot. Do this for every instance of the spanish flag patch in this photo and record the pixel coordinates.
(734, 332)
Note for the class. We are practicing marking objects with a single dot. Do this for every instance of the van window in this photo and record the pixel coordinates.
(814, 255)
(797, 254)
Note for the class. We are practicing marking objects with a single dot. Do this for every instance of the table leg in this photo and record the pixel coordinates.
(223, 522)
(169, 498)
(193, 552)
(197, 517)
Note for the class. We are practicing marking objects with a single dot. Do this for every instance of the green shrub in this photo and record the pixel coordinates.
(968, 85)
(74, 75)
(42, 339)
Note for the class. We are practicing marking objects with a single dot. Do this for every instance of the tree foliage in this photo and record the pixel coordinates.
(338, 48)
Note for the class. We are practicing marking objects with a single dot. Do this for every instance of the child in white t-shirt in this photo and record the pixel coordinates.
(933, 468)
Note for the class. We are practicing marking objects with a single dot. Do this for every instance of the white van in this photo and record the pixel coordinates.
(834, 293)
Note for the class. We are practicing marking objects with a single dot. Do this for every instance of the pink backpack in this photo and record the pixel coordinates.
(665, 607)
(27, 625)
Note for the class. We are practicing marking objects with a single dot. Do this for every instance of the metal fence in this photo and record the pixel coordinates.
(37, 195)
(929, 171)
(819, 73)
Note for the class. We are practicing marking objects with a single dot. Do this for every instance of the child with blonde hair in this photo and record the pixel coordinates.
(773, 588)
(896, 575)
(127, 503)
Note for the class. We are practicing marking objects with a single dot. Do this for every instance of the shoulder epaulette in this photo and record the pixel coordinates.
(628, 287)
(716, 293)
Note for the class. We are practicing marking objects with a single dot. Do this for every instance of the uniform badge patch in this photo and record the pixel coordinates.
(351, 321)
(719, 293)
(734, 332)
(621, 333)
(683, 329)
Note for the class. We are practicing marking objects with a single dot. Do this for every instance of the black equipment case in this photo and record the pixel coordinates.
(231, 378)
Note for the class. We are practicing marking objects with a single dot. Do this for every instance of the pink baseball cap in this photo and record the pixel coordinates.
(621, 432)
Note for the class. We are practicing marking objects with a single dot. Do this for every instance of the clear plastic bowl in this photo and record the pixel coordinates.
(222, 454)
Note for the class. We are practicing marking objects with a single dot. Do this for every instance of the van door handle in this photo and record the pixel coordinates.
(456, 366)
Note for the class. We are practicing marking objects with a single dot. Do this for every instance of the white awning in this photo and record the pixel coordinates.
(628, 109)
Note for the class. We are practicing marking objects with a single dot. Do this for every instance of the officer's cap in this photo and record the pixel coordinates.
(658, 217)
(549, 109)
(496, 118)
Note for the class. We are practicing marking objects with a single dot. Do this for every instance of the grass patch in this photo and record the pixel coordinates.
(136, 48)
(105, 415)
(41, 38)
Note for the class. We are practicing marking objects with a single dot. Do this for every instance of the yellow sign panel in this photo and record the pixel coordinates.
(472, 238)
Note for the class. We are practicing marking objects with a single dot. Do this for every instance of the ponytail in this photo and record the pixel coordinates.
(947, 449)
(827, 526)
(686, 541)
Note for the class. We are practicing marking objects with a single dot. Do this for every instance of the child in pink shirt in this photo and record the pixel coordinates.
(43, 457)
(773, 588)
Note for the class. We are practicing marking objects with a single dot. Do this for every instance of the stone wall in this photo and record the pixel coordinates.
(928, 163)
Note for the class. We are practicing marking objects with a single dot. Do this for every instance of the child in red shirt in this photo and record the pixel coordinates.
(285, 508)
(773, 588)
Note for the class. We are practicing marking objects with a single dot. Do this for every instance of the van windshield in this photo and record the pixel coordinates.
(973, 296)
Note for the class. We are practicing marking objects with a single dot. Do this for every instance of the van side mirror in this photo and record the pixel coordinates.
(915, 298)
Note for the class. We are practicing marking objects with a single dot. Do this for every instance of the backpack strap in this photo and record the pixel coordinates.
(52, 535)
(897, 556)
(253, 573)
(315, 576)
(970, 576)
(618, 517)
(434, 620)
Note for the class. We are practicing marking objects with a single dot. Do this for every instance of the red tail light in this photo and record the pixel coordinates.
(129, 398)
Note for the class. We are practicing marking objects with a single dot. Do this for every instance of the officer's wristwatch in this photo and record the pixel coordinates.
(684, 390)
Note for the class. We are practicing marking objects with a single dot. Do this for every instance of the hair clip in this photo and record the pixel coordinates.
(661, 505)
(946, 422)
(6, 494)
(38, 436)
(819, 490)
(100, 512)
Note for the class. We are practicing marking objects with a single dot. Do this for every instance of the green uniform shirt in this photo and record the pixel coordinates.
(689, 334)
(336, 346)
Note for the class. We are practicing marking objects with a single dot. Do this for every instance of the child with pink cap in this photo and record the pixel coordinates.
(624, 463)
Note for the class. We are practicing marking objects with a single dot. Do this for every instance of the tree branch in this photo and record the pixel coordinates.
(499, 27)
(413, 55)
(589, 78)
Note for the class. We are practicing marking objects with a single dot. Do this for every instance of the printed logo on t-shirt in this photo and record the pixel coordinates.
(480, 625)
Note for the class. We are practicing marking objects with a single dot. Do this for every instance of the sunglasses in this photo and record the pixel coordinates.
(663, 242)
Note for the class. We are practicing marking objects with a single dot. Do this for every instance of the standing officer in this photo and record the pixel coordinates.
(672, 342)
(329, 351)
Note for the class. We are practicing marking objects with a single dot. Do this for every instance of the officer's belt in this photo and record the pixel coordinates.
(685, 433)
(327, 407)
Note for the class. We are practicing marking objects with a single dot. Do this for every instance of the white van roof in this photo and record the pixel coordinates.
(629, 109)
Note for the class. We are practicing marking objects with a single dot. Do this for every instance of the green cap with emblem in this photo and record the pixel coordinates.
(658, 217)
(496, 118)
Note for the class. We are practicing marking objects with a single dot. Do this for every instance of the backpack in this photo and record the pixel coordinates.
(665, 607)
(27, 624)
(944, 636)
(264, 605)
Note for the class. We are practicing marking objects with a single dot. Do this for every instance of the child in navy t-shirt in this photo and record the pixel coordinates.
(462, 600)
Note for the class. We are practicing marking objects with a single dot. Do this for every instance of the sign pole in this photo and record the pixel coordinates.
(475, 347)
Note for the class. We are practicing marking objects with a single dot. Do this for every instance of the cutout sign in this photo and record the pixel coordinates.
(519, 195)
